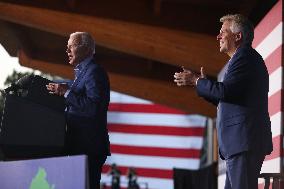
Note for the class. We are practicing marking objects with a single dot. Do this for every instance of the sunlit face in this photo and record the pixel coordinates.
(227, 39)
(75, 53)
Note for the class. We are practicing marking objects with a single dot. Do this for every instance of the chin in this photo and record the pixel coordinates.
(222, 50)
(71, 63)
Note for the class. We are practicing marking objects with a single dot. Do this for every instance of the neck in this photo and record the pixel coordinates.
(231, 53)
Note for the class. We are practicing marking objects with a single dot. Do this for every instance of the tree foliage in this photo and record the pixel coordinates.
(15, 76)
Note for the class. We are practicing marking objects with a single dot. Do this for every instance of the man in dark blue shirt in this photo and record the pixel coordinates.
(241, 97)
(87, 100)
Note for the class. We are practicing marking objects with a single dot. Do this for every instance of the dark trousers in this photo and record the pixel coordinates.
(80, 140)
(95, 163)
(243, 170)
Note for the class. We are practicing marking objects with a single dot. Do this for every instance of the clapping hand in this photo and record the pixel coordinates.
(188, 77)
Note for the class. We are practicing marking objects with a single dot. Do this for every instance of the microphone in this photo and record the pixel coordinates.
(23, 83)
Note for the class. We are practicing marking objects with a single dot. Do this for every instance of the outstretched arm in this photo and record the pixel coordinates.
(188, 77)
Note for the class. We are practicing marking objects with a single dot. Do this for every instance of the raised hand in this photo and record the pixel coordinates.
(187, 77)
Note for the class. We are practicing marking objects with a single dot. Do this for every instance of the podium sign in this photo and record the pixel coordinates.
(50, 173)
(31, 130)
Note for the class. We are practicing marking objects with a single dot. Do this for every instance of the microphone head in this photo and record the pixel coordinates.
(25, 81)
(22, 83)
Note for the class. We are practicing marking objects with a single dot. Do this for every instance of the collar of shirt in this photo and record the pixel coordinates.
(238, 49)
(81, 65)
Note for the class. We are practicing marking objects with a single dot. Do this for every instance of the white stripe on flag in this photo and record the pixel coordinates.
(276, 124)
(156, 119)
(271, 166)
(162, 141)
(166, 163)
(116, 97)
(271, 42)
(275, 81)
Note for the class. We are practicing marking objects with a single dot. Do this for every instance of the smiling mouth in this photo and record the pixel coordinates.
(70, 57)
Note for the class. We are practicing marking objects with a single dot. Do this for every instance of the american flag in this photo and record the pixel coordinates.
(153, 139)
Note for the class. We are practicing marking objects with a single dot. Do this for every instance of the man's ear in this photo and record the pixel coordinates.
(239, 37)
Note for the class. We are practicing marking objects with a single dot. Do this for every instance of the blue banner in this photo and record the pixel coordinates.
(50, 173)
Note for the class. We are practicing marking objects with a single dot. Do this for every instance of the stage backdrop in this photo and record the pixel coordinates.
(153, 139)
(268, 42)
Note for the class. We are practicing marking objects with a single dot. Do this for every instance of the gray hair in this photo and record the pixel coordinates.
(239, 23)
(85, 40)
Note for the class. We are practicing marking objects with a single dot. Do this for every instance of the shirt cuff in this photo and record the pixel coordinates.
(196, 81)
(66, 93)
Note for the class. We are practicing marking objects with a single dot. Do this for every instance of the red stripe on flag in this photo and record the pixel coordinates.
(270, 21)
(155, 151)
(143, 172)
(274, 103)
(156, 130)
(143, 108)
(276, 153)
(273, 61)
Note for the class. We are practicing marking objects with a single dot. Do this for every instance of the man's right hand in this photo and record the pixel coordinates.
(188, 77)
(57, 88)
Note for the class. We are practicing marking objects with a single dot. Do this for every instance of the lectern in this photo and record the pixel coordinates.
(33, 121)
